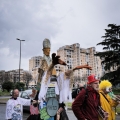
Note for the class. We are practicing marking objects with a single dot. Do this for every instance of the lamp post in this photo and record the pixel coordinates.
(87, 60)
(20, 56)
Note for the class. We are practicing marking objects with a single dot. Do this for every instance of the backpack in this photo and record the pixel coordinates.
(76, 92)
(85, 100)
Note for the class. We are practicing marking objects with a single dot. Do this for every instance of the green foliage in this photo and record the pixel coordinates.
(118, 109)
(4, 93)
(116, 91)
(10, 85)
(19, 86)
(68, 104)
(7, 85)
(111, 53)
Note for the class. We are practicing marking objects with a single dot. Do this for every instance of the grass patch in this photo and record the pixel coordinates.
(118, 109)
(4, 100)
(5, 93)
(68, 104)
(116, 91)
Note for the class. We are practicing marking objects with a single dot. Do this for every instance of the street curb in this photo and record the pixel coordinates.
(2, 103)
(68, 109)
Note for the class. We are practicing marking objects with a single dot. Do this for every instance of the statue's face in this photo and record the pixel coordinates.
(46, 51)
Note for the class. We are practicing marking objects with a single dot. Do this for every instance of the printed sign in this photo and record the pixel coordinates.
(52, 106)
(50, 92)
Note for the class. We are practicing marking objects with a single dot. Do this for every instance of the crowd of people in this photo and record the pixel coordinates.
(93, 102)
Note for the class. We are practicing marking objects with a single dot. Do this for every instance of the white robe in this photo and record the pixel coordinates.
(65, 91)
(14, 108)
(44, 87)
(61, 88)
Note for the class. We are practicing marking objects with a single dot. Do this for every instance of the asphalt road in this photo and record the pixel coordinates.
(26, 114)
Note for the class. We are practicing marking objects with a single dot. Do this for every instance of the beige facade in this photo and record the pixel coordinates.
(13, 76)
(74, 56)
(2, 76)
(33, 67)
(34, 62)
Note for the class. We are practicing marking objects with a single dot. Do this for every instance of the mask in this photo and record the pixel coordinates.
(108, 89)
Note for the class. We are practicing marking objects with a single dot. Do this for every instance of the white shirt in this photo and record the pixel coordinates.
(14, 108)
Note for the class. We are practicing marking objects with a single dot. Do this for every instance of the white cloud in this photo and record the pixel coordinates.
(64, 22)
(4, 51)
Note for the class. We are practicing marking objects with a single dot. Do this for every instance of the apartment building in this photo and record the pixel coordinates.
(13, 76)
(74, 56)
(6, 76)
(34, 63)
(2, 76)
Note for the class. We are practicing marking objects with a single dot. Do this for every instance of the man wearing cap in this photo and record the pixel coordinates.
(107, 103)
(86, 103)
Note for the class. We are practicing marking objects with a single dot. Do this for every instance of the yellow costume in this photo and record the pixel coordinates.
(106, 102)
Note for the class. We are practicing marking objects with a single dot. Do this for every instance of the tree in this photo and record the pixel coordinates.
(111, 53)
(19, 86)
(8, 85)
(27, 77)
(2, 76)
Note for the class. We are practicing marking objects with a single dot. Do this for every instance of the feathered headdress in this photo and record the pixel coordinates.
(104, 84)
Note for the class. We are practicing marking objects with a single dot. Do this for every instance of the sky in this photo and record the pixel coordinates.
(64, 22)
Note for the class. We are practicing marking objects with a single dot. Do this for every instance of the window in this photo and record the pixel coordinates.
(24, 95)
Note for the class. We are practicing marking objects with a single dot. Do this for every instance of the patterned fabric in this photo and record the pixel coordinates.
(108, 106)
(34, 110)
(45, 64)
(50, 92)
(14, 108)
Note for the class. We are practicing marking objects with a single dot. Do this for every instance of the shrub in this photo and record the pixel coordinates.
(8, 86)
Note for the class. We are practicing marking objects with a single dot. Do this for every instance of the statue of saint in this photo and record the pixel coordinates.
(45, 62)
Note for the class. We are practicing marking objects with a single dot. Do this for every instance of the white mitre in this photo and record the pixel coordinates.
(46, 43)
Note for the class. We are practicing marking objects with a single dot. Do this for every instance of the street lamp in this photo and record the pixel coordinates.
(87, 60)
(20, 56)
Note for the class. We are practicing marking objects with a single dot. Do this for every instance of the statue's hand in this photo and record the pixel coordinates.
(56, 60)
(38, 70)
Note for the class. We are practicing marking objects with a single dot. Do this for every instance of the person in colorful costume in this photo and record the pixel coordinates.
(14, 106)
(113, 96)
(42, 68)
(34, 111)
(107, 103)
(49, 86)
(62, 86)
